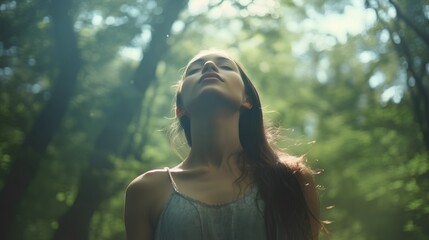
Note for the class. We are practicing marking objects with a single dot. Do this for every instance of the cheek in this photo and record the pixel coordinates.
(185, 92)
(237, 86)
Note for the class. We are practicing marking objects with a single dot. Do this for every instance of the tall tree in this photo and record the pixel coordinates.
(94, 184)
(411, 43)
(27, 160)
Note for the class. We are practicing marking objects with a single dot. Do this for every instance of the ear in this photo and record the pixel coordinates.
(180, 112)
(247, 103)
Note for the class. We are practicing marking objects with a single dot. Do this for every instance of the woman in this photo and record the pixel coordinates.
(232, 185)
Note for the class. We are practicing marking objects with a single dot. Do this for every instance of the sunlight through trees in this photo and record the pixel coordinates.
(87, 88)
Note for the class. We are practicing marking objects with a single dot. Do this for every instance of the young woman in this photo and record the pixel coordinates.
(232, 185)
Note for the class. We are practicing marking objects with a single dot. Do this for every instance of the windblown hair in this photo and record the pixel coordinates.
(275, 174)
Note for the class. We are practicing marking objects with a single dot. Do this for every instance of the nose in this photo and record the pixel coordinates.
(209, 66)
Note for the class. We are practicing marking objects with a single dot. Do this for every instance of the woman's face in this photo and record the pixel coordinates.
(212, 80)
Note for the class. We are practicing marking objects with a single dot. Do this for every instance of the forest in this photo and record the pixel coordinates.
(87, 94)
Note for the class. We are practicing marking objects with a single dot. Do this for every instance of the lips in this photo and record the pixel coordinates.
(210, 75)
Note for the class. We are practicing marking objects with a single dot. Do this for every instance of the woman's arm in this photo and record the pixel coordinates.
(137, 215)
(306, 181)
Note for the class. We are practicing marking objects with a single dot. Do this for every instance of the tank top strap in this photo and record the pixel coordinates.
(171, 179)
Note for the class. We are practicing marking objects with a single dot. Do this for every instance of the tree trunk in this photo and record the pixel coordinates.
(417, 88)
(95, 184)
(26, 162)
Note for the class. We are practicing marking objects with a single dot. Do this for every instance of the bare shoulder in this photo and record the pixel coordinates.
(147, 180)
(147, 192)
(148, 184)
(144, 199)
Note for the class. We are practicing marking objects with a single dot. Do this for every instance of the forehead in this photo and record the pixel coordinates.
(216, 57)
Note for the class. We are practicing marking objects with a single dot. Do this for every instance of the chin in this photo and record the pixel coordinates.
(212, 98)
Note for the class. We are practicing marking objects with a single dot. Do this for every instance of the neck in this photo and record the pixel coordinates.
(215, 139)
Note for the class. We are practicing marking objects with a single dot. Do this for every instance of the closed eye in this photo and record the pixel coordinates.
(192, 71)
(226, 67)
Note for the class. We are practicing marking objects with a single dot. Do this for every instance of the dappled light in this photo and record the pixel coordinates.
(87, 92)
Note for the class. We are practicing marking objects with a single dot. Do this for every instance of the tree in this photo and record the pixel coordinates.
(26, 162)
(343, 103)
(411, 43)
(94, 184)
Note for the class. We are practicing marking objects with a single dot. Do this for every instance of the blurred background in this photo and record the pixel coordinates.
(87, 88)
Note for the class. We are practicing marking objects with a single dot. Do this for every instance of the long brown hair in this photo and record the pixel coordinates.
(286, 212)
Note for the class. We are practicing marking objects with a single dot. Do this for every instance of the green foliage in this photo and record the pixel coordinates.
(327, 101)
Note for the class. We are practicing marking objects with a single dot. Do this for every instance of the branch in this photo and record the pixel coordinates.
(422, 34)
(421, 97)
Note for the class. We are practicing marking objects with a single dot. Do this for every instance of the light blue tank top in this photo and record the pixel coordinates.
(184, 218)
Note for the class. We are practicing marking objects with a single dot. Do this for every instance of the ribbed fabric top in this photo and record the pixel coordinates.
(190, 219)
